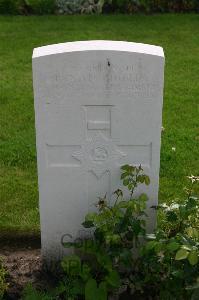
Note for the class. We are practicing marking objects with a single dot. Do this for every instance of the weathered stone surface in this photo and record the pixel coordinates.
(98, 105)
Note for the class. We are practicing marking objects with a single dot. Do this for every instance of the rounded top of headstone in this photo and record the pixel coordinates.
(98, 46)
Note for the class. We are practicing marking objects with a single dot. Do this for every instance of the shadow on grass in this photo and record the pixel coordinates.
(20, 239)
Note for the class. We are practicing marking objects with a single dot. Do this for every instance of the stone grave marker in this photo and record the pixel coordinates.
(98, 105)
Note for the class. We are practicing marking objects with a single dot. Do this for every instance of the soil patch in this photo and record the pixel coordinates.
(23, 266)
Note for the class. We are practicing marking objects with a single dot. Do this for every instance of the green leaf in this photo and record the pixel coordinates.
(88, 224)
(147, 180)
(102, 291)
(191, 203)
(132, 168)
(125, 256)
(123, 204)
(91, 289)
(181, 254)
(140, 178)
(113, 279)
(171, 216)
(125, 182)
(186, 247)
(115, 238)
(173, 246)
(124, 175)
(151, 245)
(130, 185)
(85, 272)
(143, 197)
(90, 216)
(71, 265)
(104, 260)
(192, 232)
(125, 167)
(93, 292)
(193, 258)
(178, 273)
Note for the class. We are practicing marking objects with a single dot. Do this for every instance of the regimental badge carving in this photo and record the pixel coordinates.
(97, 154)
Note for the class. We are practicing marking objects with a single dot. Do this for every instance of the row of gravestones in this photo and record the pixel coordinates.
(98, 105)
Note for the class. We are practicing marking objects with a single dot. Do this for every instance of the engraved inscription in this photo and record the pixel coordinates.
(113, 80)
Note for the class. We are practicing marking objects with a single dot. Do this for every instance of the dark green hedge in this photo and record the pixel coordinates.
(110, 6)
(149, 6)
(27, 7)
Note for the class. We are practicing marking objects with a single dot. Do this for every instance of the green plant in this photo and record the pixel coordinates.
(3, 284)
(27, 6)
(30, 293)
(169, 263)
(41, 6)
(165, 267)
(149, 6)
(95, 6)
(8, 6)
(116, 232)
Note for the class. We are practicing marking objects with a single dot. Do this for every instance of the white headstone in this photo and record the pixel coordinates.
(98, 106)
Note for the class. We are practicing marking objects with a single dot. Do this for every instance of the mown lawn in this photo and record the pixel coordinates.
(177, 34)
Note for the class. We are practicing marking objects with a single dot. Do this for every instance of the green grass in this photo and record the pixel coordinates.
(177, 34)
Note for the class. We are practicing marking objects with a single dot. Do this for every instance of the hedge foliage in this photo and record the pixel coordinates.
(27, 7)
(96, 6)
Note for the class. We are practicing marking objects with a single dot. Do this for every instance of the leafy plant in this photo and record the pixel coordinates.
(95, 6)
(165, 267)
(30, 293)
(170, 261)
(116, 232)
(121, 258)
(27, 6)
(8, 6)
(41, 6)
(150, 6)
